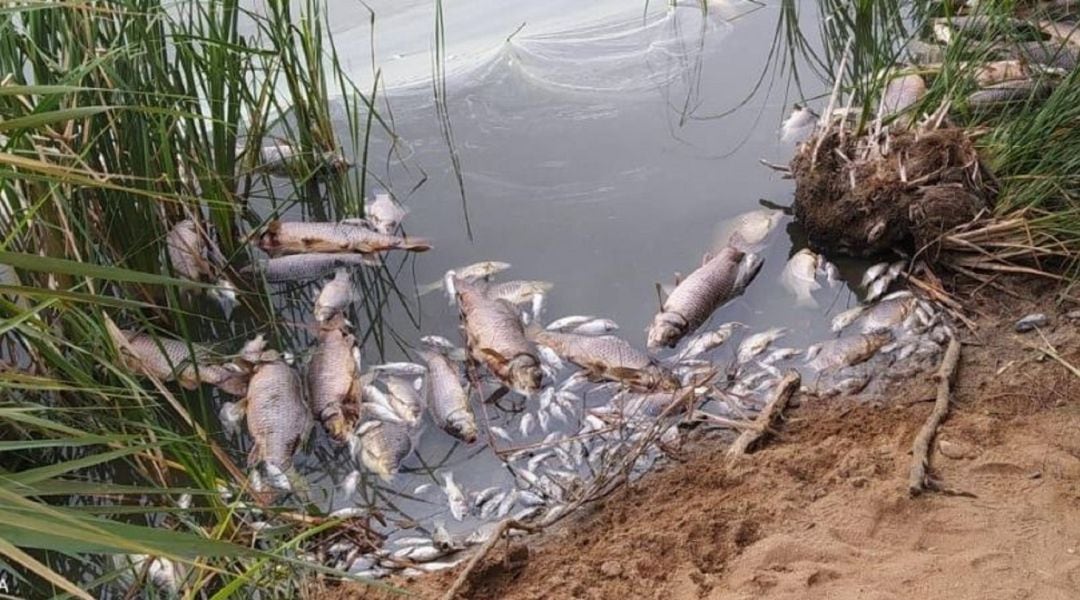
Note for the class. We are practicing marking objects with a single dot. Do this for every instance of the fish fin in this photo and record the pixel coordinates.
(457, 354)
(415, 244)
(661, 294)
(428, 288)
(493, 355)
(678, 279)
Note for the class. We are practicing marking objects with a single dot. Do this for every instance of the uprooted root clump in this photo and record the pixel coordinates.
(864, 195)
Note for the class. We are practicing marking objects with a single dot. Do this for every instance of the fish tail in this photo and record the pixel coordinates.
(415, 244)
(268, 240)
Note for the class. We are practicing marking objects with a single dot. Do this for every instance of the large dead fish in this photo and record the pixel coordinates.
(277, 417)
(334, 388)
(448, 402)
(693, 301)
(298, 267)
(846, 351)
(295, 237)
(168, 359)
(606, 358)
(384, 213)
(496, 338)
(383, 446)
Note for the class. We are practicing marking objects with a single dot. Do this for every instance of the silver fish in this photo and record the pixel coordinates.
(846, 351)
(168, 360)
(447, 401)
(384, 447)
(747, 232)
(605, 358)
(278, 420)
(300, 267)
(693, 301)
(334, 297)
(873, 273)
(384, 213)
(526, 424)
(187, 252)
(596, 327)
(402, 369)
(799, 124)
(567, 323)
(757, 343)
(1005, 92)
(886, 314)
(333, 383)
(295, 237)
(495, 338)
(800, 277)
(455, 497)
(847, 317)
(650, 405)
(707, 341)
(438, 342)
(517, 292)
(284, 160)
(405, 400)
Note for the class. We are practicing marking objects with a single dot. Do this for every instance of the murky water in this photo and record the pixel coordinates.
(592, 155)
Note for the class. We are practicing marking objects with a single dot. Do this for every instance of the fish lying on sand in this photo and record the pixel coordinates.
(384, 213)
(693, 301)
(278, 420)
(495, 338)
(384, 446)
(334, 389)
(747, 232)
(334, 297)
(300, 267)
(605, 358)
(447, 400)
(167, 359)
(800, 277)
(295, 237)
(846, 351)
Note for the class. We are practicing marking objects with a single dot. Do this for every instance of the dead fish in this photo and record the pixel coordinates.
(299, 267)
(384, 447)
(455, 497)
(748, 231)
(334, 389)
(284, 160)
(846, 318)
(757, 343)
(296, 237)
(384, 213)
(447, 400)
(405, 400)
(168, 360)
(604, 358)
(693, 301)
(999, 71)
(570, 322)
(650, 405)
(517, 292)
(438, 342)
(881, 285)
(1045, 54)
(921, 52)
(188, 252)
(873, 273)
(334, 297)
(163, 574)
(495, 338)
(947, 29)
(596, 327)
(377, 407)
(707, 341)
(799, 124)
(350, 484)
(886, 314)
(901, 93)
(526, 424)
(780, 354)
(1032, 322)
(278, 420)
(401, 369)
(476, 271)
(846, 351)
(1006, 92)
(800, 277)
(230, 415)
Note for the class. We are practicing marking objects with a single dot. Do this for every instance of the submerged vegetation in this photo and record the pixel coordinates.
(117, 120)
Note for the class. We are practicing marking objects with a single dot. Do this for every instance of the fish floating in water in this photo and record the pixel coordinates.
(384, 446)
(747, 232)
(334, 388)
(901, 93)
(495, 337)
(334, 297)
(189, 365)
(799, 124)
(384, 213)
(282, 159)
(278, 419)
(296, 237)
(605, 358)
(300, 267)
(447, 400)
(800, 277)
(693, 301)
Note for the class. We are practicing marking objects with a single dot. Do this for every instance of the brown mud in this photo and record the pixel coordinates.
(822, 509)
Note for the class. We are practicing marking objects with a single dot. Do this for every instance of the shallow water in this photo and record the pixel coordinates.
(590, 157)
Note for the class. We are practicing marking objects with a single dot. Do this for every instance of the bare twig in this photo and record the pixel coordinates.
(503, 526)
(785, 389)
(920, 450)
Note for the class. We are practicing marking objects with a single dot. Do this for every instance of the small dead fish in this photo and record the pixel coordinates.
(495, 337)
(567, 323)
(847, 317)
(350, 483)
(163, 574)
(384, 213)
(881, 285)
(693, 301)
(481, 270)
(438, 342)
(800, 277)
(846, 351)
(334, 297)
(886, 314)
(405, 400)
(747, 232)
(447, 400)
(278, 420)
(999, 71)
(333, 383)
(188, 251)
(757, 343)
(300, 267)
(707, 341)
(401, 369)
(780, 354)
(384, 447)
(873, 273)
(526, 424)
(297, 237)
(455, 497)
(596, 327)
(500, 433)
(1032, 322)
(230, 415)
(798, 125)
(517, 292)
(948, 29)
(282, 159)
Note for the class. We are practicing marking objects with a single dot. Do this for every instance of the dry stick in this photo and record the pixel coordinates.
(504, 526)
(785, 389)
(920, 450)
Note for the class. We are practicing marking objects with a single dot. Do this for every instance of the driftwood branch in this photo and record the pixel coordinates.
(496, 535)
(920, 450)
(785, 389)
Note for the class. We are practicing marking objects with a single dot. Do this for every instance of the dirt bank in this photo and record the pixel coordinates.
(822, 510)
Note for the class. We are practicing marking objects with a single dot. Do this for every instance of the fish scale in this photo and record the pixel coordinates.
(291, 237)
(447, 400)
(277, 418)
(332, 382)
(695, 298)
(496, 338)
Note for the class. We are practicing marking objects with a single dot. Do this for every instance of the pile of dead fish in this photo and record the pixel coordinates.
(593, 408)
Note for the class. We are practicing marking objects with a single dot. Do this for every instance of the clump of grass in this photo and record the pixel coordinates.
(116, 121)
